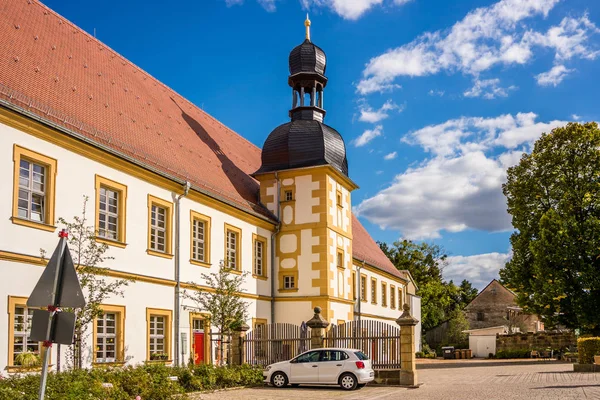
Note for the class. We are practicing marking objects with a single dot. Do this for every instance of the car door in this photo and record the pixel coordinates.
(305, 368)
(331, 365)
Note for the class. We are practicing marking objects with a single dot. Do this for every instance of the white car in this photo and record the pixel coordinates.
(349, 368)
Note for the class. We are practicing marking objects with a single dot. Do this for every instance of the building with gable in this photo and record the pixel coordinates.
(173, 192)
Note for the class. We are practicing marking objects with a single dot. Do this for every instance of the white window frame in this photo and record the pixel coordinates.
(156, 230)
(24, 333)
(289, 282)
(106, 232)
(102, 336)
(232, 243)
(30, 191)
(199, 244)
(259, 251)
(155, 336)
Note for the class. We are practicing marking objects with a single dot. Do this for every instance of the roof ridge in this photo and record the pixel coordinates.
(144, 72)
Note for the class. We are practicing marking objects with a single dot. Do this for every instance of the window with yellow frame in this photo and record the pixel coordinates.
(233, 245)
(374, 290)
(259, 256)
(383, 294)
(111, 209)
(392, 296)
(363, 287)
(109, 335)
(200, 239)
(160, 227)
(34, 189)
(340, 259)
(19, 331)
(158, 334)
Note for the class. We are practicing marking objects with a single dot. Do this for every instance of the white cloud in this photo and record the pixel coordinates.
(268, 5)
(368, 135)
(488, 89)
(460, 186)
(554, 76)
(478, 269)
(368, 114)
(576, 117)
(439, 93)
(230, 3)
(484, 38)
(390, 156)
(350, 9)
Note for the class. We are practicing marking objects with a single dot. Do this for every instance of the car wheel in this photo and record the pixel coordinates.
(348, 382)
(279, 379)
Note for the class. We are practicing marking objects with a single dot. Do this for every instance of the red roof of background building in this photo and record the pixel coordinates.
(57, 71)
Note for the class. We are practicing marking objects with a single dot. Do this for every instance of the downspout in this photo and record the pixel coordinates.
(273, 252)
(186, 189)
(359, 297)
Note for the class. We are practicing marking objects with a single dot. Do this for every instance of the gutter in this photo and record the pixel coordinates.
(273, 243)
(127, 158)
(177, 301)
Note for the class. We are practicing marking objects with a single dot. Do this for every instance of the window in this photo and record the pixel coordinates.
(289, 282)
(158, 334)
(109, 335)
(159, 227)
(311, 356)
(363, 288)
(110, 211)
(200, 243)
(259, 256)
(232, 247)
(33, 190)
(288, 195)
(400, 299)
(340, 259)
(480, 316)
(333, 355)
(392, 296)
(373, 290)
(21, 330)
(338, 199)
(384, 294)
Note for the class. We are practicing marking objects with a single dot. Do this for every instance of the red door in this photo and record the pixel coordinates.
(198, 348)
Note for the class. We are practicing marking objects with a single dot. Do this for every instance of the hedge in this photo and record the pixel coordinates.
(147, 381)
(588, 348)
(513, 354)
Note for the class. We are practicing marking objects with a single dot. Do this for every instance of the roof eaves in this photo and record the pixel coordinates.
(127, 158)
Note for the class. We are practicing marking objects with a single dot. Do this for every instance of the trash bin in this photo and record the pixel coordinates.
(464, 354)
(448, 352)
(458, 354)
(469, 354)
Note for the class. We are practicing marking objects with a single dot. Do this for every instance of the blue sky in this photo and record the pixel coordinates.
(434, 98)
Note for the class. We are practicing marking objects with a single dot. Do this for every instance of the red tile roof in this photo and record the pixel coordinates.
(365, 249)
(58, 72)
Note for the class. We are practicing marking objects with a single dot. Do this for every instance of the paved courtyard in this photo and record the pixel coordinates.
(537, 381)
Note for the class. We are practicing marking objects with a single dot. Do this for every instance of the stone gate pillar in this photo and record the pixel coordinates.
(237, 345)
(317, 325)
(408, 370)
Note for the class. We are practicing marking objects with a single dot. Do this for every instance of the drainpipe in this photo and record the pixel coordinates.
(273, 242)
(186, 189)
(359, 291)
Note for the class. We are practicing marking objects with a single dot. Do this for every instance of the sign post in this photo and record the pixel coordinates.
(58, 287)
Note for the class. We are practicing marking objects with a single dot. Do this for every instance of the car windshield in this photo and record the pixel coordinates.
(361, 355)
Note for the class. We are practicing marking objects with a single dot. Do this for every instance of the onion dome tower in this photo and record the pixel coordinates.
(304, 182)
(305, 141)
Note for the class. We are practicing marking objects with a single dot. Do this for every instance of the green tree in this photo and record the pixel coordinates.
(553, 196)
(223, 302)
(426, 262)
(88, 255)
(456, 325)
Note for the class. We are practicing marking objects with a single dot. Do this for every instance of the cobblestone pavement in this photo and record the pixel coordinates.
(544, 381)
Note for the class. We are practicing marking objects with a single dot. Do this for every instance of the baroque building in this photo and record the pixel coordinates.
(173, 192)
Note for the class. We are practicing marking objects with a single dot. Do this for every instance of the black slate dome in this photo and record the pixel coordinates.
(307, 57)
(303, 143)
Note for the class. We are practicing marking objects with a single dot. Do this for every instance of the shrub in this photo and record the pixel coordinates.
(587, 349)
(148, 381)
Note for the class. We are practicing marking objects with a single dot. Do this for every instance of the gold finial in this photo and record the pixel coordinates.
(307, 25)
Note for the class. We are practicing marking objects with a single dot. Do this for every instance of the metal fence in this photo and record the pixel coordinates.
(267, 344)
(379, 340)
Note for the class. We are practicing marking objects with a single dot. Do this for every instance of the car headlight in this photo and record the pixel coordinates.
(268, 368)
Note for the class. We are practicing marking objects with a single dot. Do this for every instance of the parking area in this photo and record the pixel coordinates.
(536, 381)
